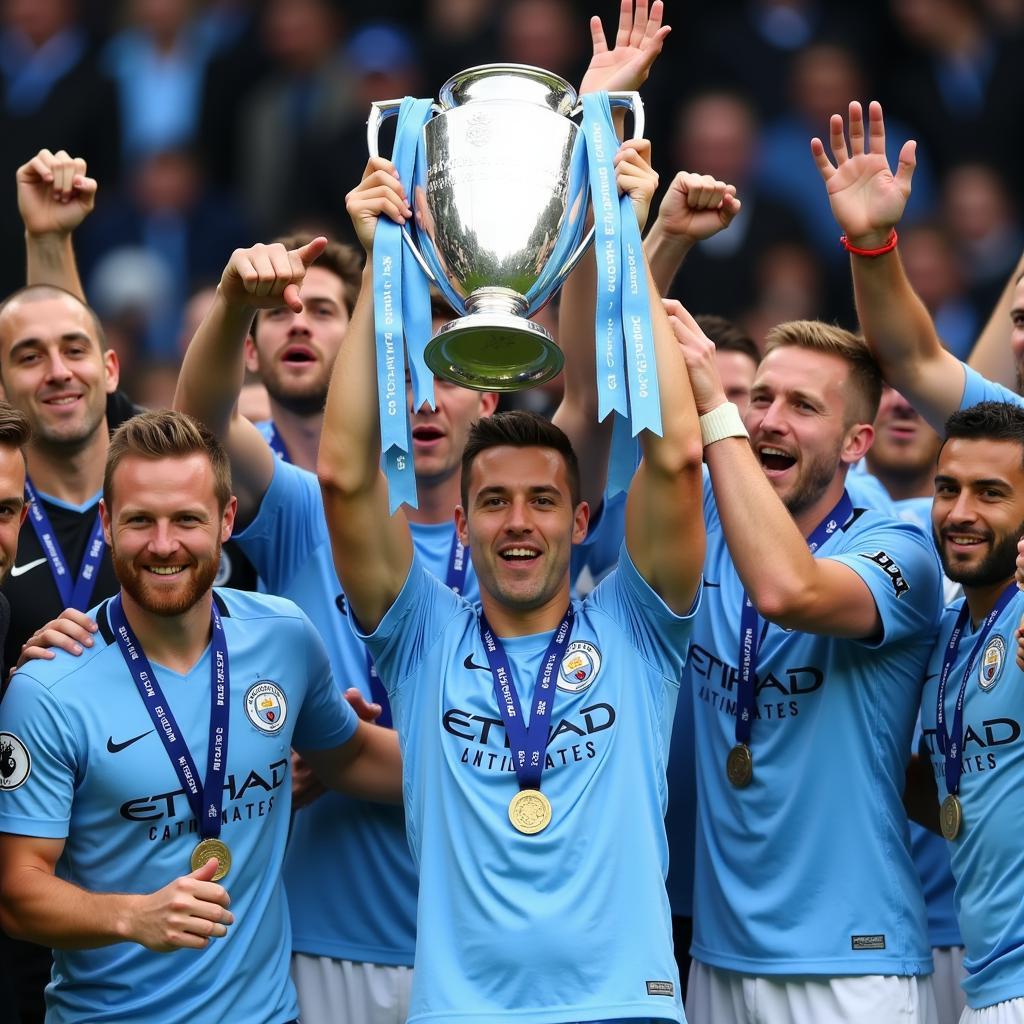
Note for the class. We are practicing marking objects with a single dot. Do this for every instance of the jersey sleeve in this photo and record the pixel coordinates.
(411, 626)
(659, 635)
(39, 761)
(285, 529)
(900, 567)
(325, 719)
(981, 389)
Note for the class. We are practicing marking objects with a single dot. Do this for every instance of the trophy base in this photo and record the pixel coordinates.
(494, 352)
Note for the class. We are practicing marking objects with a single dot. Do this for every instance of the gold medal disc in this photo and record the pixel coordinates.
(739, 766)
(951, 816)
(208, 849)
(529, 811)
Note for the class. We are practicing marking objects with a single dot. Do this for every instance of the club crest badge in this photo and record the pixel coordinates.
(15, 762)
(992, 661)
(579, 667)
(266, 706)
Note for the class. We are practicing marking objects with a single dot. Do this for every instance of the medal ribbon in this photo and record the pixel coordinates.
(401, 308)
(458, 565)
(206, 801)
(276, 442)
(950, 744)
(627, 378)
(73, 595)
(528, 743)
(750, 627)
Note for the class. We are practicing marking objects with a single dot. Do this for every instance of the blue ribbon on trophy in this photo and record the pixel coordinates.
(401, 319)
(627, 378)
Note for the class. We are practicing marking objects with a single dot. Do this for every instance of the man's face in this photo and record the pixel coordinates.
(12, 506)
(54, 370)
(293, 352)
(978, 510)
(520, 524)
(1017, 332)
(737, 371)
(439, 436)
(904, 443)
(165, 530)
(796, 422)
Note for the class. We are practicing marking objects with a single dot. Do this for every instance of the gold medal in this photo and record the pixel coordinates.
(951, 816)
(529, 811)
(739, 766)
(206, 850)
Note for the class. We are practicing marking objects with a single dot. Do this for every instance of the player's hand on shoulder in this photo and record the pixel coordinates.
(54, 193)
(267, 276)
(185, 914)
(380, 192)
(636, 177)
(697, 206)
(71, 631)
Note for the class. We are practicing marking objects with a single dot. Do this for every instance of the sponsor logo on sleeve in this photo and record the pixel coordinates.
(266, 706)
(15, 762)
(579, 668)
(992, 660)
(891, 569)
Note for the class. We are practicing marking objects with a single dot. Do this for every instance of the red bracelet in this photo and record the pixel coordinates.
(888, 247)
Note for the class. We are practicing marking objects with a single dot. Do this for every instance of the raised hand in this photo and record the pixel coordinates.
(699, 355)
(637, 44)
(266, 276)
(697, 206)
(54, 194)
(379, 192)
(867, 199)
(635, 176)
(184, 914)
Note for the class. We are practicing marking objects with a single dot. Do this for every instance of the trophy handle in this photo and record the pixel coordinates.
(631, 101)
(380, 111)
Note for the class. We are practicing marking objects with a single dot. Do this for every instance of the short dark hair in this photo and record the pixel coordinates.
(518, 429)
(42, 292)
(728, 336)
(988, 421)
(168, 434)
(15, 431)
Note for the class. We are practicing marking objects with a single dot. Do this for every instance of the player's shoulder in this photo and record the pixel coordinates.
(247, 606)
(867, 523)
(70, 677)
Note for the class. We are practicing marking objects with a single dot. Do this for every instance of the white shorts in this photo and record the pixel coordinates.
(349, 991)
(715, 996)
(949, 973)
(1011, 1011)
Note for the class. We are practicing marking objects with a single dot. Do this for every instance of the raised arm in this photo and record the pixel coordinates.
(867, 202)
(791, 588)
(695, 207)
(993, 354)
(37, 906)
(664, 512)
(213, 370)
(372, 549)
(54, 197)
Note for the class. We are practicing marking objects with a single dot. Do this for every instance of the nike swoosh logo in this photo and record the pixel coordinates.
(115, 748)
(469, 663)
(708, 583)
(17, 570)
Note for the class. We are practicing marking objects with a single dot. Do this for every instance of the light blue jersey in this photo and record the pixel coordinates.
(867, 491)
(350, 878)
(931, 857)
(979, 389)
(573, 923)
(92, 770)
(807, 870)
(988, 855)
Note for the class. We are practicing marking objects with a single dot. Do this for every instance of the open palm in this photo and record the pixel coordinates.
(867, 199)
(637, 44)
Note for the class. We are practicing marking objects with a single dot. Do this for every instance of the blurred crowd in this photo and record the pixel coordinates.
(212, 123)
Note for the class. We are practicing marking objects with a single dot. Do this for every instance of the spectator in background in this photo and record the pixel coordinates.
(930, 260)
(544, 33)
(458, 34)
(788, 285)
(52, 94)
(718, 133)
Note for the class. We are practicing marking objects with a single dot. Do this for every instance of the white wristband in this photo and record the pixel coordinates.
(723, 421)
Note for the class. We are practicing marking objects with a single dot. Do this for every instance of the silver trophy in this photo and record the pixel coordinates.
(499, 209)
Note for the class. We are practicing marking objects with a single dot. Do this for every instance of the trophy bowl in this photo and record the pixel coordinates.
(500, 202)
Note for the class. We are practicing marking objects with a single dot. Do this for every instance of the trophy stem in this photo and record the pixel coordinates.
(494, 299)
